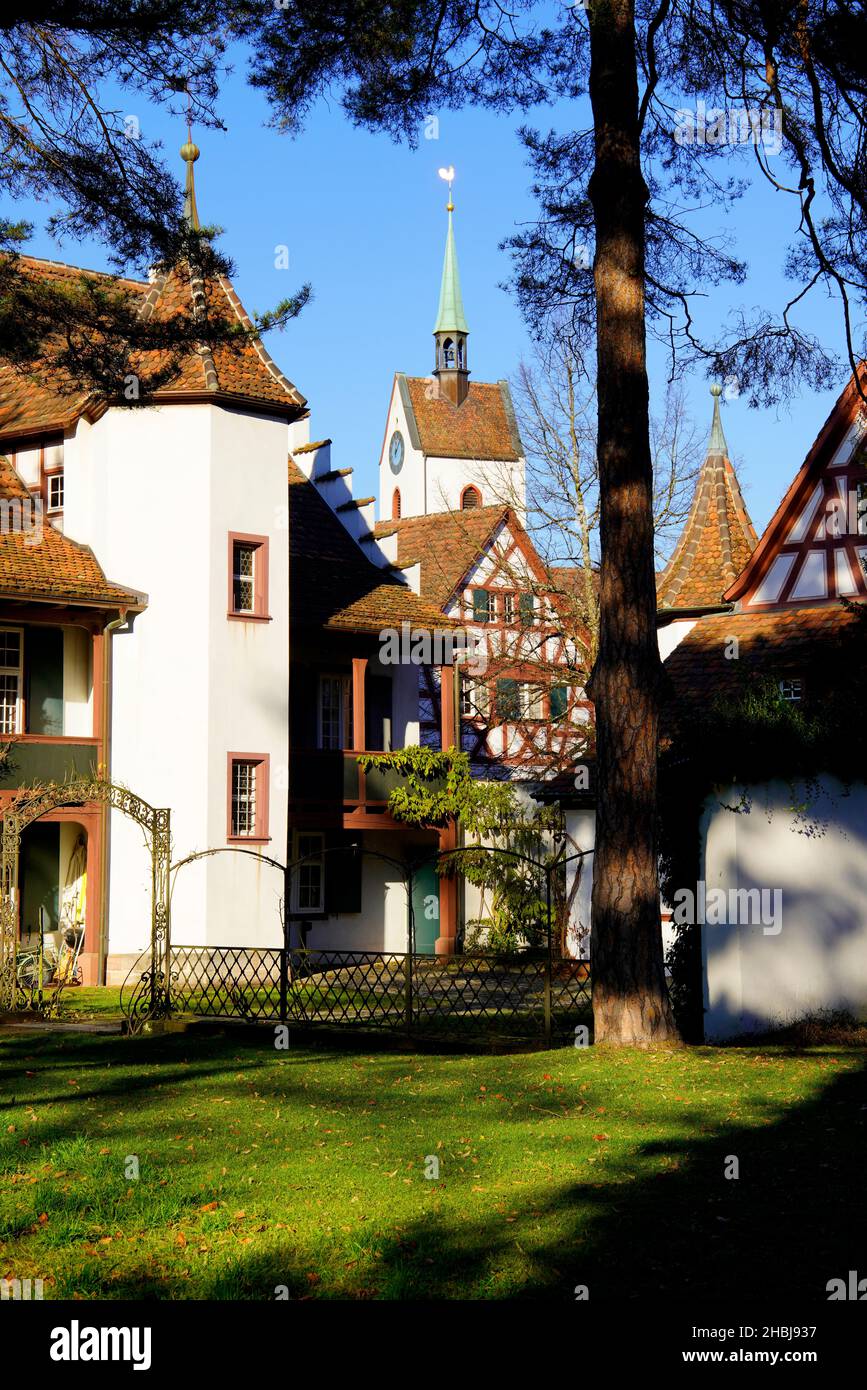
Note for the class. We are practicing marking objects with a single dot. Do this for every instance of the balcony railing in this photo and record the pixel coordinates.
(334, 782)
(33, 758)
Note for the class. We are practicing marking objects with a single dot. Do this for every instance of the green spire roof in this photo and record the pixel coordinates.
(450, 317)
(717, 442)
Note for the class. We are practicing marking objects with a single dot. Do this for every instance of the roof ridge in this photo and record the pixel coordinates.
(81, 269)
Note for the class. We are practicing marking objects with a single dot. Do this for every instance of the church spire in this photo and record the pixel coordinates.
(450, 330)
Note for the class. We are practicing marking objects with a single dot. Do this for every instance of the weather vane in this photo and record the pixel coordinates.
(448, 174)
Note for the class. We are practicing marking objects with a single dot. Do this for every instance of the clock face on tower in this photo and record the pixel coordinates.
(395, 452)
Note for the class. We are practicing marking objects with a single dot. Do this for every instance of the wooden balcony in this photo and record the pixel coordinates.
(34, 758)
(332, 786)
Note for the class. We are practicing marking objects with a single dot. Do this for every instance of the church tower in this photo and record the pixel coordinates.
(449, 445)
(450, 330)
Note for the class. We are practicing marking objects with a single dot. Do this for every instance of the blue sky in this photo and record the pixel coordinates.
(364, 222)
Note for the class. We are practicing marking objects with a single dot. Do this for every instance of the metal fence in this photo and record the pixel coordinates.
(522, 994)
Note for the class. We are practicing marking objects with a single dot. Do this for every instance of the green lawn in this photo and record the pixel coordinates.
(306, 1169)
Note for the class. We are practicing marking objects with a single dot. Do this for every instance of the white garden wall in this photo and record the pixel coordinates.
(818, 959)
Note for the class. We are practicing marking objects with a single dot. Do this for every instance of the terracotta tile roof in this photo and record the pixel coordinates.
(51, 566)
(715, 544)
(482, 427)
(447, 545)
(31, 401)
(244, 371)
(314, 444)
(331, 584)
(794, 642)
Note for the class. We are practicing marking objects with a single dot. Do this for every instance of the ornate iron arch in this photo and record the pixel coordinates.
(31, 803)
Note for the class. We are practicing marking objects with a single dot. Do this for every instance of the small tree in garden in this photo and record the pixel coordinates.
(513, 843)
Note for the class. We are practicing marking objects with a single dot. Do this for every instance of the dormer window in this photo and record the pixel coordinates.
(471, 498)
(40, 466)
(54, 492)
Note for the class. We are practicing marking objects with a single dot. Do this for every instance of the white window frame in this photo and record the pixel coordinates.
(475, 699)
(531, 696)
(508, 602)
(299, 852)
(792, 689)
(56, 476)
(18, 673)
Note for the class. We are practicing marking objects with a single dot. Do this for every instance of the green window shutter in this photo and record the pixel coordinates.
(559, 700)
(527, 609)
(481, 606)
(508, 706)
(343, 865)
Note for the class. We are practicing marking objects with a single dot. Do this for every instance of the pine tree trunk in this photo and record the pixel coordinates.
(630, 998)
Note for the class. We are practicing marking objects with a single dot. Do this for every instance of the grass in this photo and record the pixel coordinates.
(304, 1170)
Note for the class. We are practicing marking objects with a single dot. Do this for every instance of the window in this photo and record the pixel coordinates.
(11, 679)
(518, 700)
(531, 699)
(861, 508)
(527, 608)
(335, 712)
(484, 606)
(54, 492)
(448, 353)
(308, 878)
(559, 701)
(395, 505)
(475, 700)
(248, 577)
(792, 689)
(471, 498)
(508, 602)
(248, 796)
(508, 700)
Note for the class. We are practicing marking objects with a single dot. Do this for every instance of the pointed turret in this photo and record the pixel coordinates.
(718, 537)
(235, 372)
(450, 330)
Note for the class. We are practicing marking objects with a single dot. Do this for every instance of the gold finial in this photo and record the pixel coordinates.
(716, 389)
(189, 154)
(448, 174)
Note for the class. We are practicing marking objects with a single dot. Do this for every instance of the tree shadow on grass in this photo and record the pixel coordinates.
(794, 1219)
